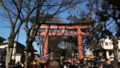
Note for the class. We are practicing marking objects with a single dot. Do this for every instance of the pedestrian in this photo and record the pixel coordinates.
(101, 65)
(79, 66)
(108, 64)
(89, 65)
(95, 65)
(53, 64)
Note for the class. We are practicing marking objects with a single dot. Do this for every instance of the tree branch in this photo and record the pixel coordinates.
(9, 17)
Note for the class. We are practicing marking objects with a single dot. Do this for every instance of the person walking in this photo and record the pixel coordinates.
(88, 65)
(53, 64)
(108, 64)
(95, 65)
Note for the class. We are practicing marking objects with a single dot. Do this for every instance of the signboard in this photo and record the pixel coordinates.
(44, 59)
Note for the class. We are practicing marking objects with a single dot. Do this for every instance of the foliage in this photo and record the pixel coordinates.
(54, 42)
(109, 10)
(108, 13)
(75, 19)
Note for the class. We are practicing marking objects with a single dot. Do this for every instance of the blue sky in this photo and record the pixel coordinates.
(5, 27)
(5, 30)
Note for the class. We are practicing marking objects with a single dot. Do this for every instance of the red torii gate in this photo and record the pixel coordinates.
(79, 33)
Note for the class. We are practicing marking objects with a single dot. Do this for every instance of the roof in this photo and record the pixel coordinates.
(18, 44)
(2, 38)
(31, 49)
(99, 48)
(67, 24)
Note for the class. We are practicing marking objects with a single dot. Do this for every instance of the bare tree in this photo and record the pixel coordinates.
(17, 14)
(20, 11)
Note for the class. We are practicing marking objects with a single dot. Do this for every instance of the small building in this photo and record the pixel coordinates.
(17, 54)
(104, 49)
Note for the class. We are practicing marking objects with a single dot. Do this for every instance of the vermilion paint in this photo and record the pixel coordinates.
(79, 33)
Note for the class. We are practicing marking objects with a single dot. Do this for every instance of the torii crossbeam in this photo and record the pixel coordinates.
(63, 27)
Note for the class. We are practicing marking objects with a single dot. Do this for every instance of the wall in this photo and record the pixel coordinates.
(14, 54)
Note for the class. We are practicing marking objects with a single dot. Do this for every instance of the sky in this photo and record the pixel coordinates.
(5, 28)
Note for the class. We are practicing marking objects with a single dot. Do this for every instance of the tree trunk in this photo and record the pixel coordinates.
(115, 51)
(9, 50)
(27, 49)
(26, 60)
(8, 56)
(115, 58)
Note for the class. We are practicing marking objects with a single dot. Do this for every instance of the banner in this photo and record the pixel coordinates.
(44, 59)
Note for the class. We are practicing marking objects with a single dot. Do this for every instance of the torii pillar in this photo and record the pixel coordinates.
(79, 33)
